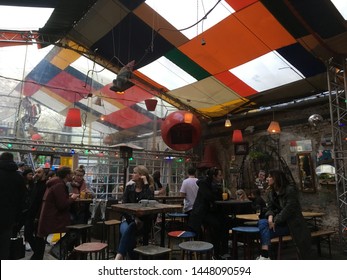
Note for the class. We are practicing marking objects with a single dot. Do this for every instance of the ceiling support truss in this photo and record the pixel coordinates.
(337, 82)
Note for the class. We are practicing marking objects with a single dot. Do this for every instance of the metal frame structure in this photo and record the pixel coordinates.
(337, 82)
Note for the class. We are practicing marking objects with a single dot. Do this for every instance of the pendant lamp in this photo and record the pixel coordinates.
(227, 122)
(151, 104)
(237, 136)
(274, 128)
(188, 117)
(73, 118)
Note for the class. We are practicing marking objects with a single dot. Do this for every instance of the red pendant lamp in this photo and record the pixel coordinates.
(237, 136)
(73, 118)
(151, 104)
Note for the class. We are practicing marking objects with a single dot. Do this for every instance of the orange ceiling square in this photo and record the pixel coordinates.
(240, 4)
(237, 40)
(235, 84)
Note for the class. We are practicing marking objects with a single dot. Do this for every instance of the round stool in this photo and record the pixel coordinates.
(83, 230)
(180, 216)
(248, 235)
(96, 248)
(179, 234)
(196, 248)
(151, 251)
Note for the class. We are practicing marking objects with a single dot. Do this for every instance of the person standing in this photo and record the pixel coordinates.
(55, 212)
(136, 189)
(283, 216)
(208, 214)
(158, 187)
(189, 190)
(12, 190)
(260, 180)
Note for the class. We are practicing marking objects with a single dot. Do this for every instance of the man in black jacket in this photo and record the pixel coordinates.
(12, 190)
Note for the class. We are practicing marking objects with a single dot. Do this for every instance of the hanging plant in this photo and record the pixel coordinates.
(256, 155)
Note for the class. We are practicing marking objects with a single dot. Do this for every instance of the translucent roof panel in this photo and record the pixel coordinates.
(267, 71)
(185, 14)
(341, 5)
(23, 18)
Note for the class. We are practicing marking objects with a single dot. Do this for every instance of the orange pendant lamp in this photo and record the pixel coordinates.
(73, 118)
(237, 136)
(188, 117)
(274, 127)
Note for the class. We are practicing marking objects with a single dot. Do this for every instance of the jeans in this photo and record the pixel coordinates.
(267, 234)
(128, 238)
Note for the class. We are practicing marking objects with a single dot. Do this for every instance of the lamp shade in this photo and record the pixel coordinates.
(237, 136)
(227, 123)
(274, 127)
(36, 137)
(188, 117)
(151, 104)
(73, 118)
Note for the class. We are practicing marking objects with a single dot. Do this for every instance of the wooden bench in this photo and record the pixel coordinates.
(317, 236)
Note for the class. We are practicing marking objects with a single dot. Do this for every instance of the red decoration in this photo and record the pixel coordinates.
(178, 134)
(73, 118)
(151, 104)
(237, 136)
(36, 137)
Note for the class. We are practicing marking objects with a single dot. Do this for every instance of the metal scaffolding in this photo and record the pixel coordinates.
(337, 82)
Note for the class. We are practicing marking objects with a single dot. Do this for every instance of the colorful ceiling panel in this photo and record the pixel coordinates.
(212, 57)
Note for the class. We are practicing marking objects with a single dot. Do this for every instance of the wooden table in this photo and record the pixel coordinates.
(234, 207)
(138, 209)
(306, 214)
(165, 198)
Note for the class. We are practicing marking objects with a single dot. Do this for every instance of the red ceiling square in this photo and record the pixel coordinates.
(127, 118)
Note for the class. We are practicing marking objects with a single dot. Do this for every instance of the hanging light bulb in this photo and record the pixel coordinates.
(274, 128)
(227, 123)
(188, 117)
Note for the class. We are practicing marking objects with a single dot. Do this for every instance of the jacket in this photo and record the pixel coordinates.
(12, 191)
(55, 214)
(286, 210)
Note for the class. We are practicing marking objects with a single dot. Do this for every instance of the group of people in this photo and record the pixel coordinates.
(279, 215)
(38, 201)
(45, 205)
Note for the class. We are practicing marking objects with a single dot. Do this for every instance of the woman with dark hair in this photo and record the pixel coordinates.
(208, 214)
(283, 216)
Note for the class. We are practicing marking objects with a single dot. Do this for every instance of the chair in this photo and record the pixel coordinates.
(152, 251)
(196, 248)
(109, 227)
(248, 235)
(92, 248)
(83, 230)
(179, 234)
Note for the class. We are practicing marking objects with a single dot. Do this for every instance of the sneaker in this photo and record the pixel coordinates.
(27, 247)
(262, 258)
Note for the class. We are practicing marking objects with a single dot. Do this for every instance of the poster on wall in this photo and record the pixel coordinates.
(300, 146)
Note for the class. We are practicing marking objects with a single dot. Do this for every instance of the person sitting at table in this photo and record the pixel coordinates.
(208, 214)
(283, 216)
(158, 187)
(260, 180)
(136, 189)
(241, 195)
(258, 203)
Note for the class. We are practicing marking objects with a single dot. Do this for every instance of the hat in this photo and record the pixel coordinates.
(27, 171)
(21, 164)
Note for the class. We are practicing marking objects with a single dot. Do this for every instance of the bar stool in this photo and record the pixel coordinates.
(181, 216)
(151, 251)
(179, 234)
(248, 235)
(196, 248)
(83, 230)
(96, 248)
(109, 227)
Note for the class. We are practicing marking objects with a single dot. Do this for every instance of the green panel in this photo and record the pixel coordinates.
(281, 12)
(187, 64)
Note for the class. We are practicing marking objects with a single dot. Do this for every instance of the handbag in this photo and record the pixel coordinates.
(17, 248)
(65, 245)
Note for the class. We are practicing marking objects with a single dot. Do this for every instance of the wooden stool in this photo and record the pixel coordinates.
(249, 234)
(198, 248)
(106, 234)
(181, 216)
(152, 251)
(179, 234)
(96, 248)
(83, 230)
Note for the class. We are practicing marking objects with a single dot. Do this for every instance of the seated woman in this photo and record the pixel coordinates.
(136, 189)
(283, 216)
